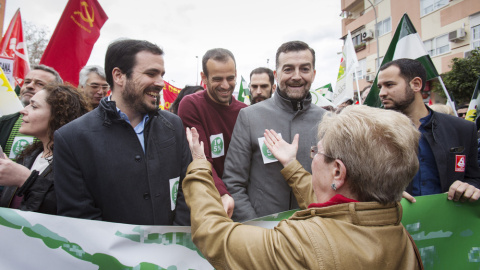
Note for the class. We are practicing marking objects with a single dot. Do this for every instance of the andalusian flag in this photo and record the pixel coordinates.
(244, 92)
(406, 43)
(9, 102)
(474, 106)
(326, 91)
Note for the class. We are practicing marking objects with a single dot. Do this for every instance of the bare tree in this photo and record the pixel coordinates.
(37, 38)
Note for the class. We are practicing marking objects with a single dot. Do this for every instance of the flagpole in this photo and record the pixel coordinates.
(449, 100)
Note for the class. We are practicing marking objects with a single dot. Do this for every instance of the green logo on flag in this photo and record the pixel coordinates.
(19, 146)
(217, 146)
(267, 152)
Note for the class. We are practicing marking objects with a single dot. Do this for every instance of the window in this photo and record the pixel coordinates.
(357, 39)
(384, 27)
(476, 36)
(427, 6)
(438, 45)
(377, 1)
(361, 69)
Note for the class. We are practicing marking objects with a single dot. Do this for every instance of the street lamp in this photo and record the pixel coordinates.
(376, 35)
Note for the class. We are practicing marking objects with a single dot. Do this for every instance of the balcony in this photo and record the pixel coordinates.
(347, 5)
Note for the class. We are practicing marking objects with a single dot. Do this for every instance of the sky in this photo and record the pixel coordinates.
(185, 29)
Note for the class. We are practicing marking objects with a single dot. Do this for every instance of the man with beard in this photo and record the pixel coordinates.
(125, 160)
(213, 113)
(252, 174)
(448, 145)
(261, 84)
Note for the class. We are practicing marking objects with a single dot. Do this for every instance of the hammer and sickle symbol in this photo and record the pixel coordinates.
(90, 18)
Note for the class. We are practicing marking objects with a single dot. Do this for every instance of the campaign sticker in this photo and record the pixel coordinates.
(460, 163)
(174, 191)
(267, 156)
(20, 143)
(217, 144)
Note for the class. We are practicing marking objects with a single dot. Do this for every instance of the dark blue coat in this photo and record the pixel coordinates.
(102, 173)
(450, 136)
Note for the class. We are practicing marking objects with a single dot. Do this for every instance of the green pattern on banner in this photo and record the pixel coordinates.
(405, 28)
(447, 235)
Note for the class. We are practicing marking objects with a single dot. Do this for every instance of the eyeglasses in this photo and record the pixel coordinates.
(314, 152)
(98, 86)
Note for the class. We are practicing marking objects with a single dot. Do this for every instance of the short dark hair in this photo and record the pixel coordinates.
(409, 69)
(294, 46)
(50, 70)
(262, 70)
(217, 54)
(122, 53)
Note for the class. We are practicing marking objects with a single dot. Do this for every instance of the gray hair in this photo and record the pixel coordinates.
(87, 70)
(48, 69)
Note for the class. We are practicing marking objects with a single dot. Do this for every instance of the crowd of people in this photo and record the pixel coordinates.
(212, 161)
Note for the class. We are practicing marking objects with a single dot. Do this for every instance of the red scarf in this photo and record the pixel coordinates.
(337, 199)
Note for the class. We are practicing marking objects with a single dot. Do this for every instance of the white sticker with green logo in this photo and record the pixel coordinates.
(267, 156)
(217, 144)
(174, 191)
(19, 143)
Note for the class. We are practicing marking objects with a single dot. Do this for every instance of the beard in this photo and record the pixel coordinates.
(292, 94)
(403, 104)
(261, 98)
(136, 99)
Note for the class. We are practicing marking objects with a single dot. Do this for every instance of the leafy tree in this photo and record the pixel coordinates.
(37, 38)
(461, 79)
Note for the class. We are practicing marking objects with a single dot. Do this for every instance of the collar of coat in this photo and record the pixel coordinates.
(296, 105)
(109, 112)
(358, 213)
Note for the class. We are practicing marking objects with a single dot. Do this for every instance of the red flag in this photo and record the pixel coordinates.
(72, 42)
(170, 93)
(13, 45)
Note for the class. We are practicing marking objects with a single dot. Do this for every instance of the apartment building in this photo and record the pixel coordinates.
(448, 28)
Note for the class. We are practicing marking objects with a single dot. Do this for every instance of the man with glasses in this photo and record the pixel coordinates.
(93, 84)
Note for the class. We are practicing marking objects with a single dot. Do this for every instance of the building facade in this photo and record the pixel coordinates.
(448, 28)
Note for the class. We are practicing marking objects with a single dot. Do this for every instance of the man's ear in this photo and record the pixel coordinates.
(416, 84)
(119, 77)
(204, 78)
(274, 87)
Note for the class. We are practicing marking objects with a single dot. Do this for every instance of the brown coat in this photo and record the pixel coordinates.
(345, 236)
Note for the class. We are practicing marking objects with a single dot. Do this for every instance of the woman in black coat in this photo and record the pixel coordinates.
(29, 183)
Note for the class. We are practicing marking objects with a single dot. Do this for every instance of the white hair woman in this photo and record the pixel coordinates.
(362, 163)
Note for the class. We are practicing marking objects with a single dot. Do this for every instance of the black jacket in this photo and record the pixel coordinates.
(450, 136)
(103, 173)
(38, 192)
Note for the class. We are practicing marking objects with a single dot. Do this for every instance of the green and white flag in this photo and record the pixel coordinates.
(326, 91)
(244, 92)
(406, 43)
(348, 64)
(474, 106)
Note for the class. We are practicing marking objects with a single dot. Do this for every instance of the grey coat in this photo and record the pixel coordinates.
(259, 189)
